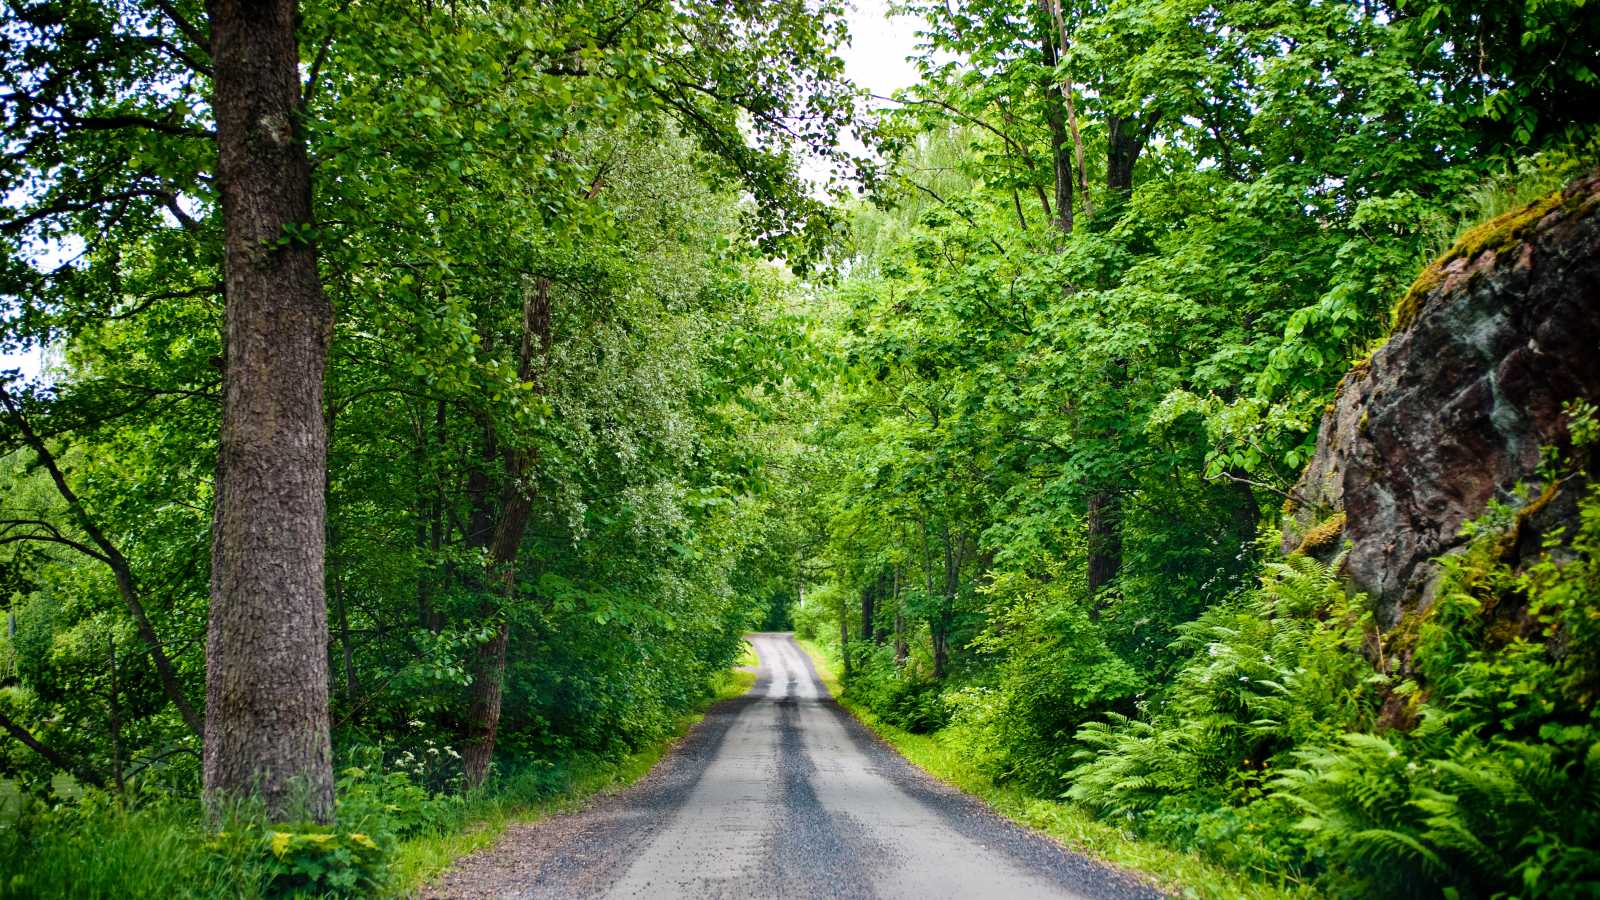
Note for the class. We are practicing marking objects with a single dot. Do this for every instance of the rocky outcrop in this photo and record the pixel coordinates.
(1452, 412)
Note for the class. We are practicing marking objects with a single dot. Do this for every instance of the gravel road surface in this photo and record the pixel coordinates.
(783, 794)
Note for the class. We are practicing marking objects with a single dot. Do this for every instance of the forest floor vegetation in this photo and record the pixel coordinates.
(99, 847)
(426, 857)
(1180, 874)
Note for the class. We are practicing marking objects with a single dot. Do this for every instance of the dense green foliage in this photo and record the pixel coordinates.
(1128, 250)
(1012, 453)
(635, 165)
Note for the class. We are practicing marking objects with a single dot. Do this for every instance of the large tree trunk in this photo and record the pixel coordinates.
(1126, 137)
(267, 648)
(516, 504)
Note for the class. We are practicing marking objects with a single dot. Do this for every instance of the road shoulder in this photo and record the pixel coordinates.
(497, 851)
(1152, 866)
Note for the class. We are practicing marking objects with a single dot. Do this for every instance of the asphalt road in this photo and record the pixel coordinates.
(783, 794)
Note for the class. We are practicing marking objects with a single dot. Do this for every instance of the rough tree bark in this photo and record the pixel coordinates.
(266, 730)
(1105, 540)
(516, 504)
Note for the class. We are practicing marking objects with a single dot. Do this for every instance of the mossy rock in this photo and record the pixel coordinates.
(1499, 235)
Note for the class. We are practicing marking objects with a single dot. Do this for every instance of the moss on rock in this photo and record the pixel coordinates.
(1322, 537)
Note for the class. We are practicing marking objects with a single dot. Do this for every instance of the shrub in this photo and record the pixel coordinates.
(1057, 673)
(1497, 792)
(313, 860)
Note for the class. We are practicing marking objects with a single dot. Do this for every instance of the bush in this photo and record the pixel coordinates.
(308, 860)
(1056, 674)
(903, 696)
(1497, 791)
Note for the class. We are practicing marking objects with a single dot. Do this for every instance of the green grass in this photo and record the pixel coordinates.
(101, 851)
(748, 656)
(424, 858)
(1179, 874)
(116, 853)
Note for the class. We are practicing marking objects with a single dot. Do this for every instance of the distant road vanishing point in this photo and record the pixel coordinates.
(782, 794)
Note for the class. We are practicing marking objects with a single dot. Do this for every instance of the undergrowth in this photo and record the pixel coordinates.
(427, 856)
(392, 836)
(946, 758)
(1298, 749)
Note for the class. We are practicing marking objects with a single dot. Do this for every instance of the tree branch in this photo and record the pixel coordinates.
(78, 771)
(118, 564)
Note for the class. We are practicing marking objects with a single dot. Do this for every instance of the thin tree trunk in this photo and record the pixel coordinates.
(77, 770)
(947, 592)
(1072, 112)
(1060, 142)
(844, 638)
(1105, 540)
(516, 505)
(869, 598)
(267, 648)
(115, 708)
(352, 687)
(1247, 512)
(901, 647)
(880, 634)
(427, 614)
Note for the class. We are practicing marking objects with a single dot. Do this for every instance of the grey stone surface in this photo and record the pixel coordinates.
(1453, 410)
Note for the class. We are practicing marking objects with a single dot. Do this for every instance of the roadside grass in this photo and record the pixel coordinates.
(113, 852)
(100, 850)
(1179, 874)
(748, 656)
(423, 858)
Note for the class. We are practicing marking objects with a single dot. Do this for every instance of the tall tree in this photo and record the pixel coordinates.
(266, 650)
(516, 504)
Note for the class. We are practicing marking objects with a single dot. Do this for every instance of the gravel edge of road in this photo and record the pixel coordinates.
(533, 857)
(1029, 847)
(584, 850)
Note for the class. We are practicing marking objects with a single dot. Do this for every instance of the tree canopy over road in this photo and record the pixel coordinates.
(436, 392)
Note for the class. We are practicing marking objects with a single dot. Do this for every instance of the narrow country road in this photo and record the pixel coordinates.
(783, 794)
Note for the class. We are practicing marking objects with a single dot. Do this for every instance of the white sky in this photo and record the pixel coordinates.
(876, 57)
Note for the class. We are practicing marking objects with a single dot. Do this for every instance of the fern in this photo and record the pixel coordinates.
(1265, 674)
(1497, 792)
